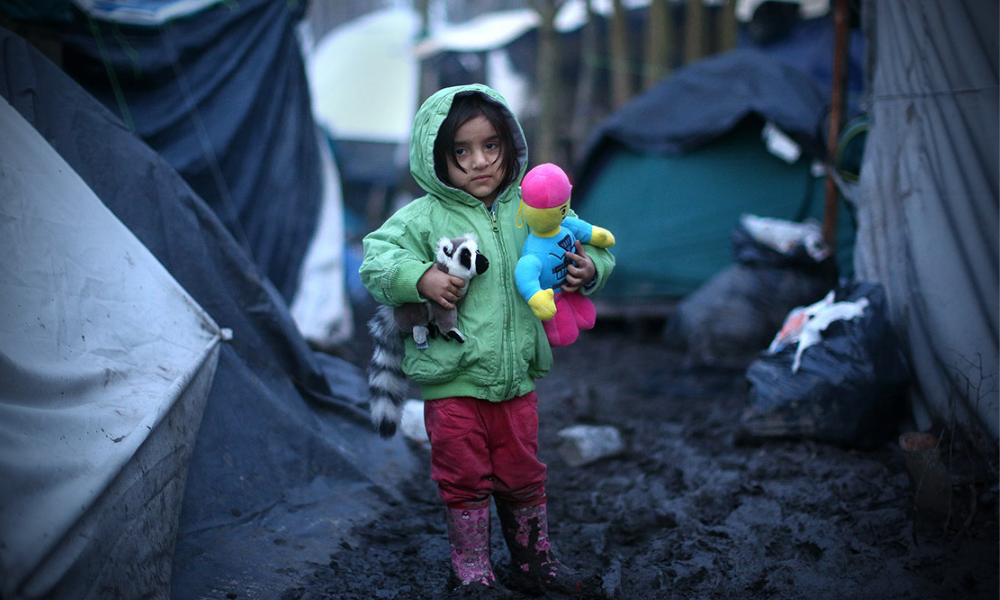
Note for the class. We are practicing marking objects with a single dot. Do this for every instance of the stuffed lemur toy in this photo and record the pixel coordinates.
(387, 384)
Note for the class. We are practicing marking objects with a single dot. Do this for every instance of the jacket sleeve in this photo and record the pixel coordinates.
(396, 255)
(604, 263)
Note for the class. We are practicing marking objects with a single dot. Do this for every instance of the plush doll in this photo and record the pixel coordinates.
(541, 270)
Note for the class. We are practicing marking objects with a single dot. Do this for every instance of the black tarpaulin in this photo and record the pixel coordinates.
(222, 95)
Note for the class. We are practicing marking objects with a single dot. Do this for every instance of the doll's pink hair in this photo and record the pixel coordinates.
(545, 186)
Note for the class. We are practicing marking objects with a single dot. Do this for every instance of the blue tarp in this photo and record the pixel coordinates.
(284, 451)
(808, 46)
(222, 95)
(704, 100)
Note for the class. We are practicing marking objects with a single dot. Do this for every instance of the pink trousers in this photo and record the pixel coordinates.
(481, 448)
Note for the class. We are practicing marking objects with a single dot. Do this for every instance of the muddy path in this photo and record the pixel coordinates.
(688, 511)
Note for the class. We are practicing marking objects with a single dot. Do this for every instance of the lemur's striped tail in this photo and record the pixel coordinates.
(387, 385)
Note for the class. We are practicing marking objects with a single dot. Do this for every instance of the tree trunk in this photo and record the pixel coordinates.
(583, 111)
(548, 84)
(621, 86)
(659, 44)
(728, 27)
(428, 74)
(694, 31)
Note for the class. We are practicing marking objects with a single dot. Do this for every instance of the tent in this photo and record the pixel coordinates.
(683, 161)
(281, 448)
(226, 101)
(928, 202)
(222, 95)
(106, 364)
(363, 80)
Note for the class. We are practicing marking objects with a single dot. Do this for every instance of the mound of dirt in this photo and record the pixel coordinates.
(687, 511)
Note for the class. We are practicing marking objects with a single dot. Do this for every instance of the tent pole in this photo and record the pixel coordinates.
(841, 30)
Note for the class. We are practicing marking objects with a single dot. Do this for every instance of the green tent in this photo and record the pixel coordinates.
(672, 214)
(671, 172)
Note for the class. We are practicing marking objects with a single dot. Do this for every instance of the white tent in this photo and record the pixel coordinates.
(363, 77)
(106, 363)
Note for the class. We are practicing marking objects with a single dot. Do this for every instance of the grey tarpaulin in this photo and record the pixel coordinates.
(284, 451)
(105, 366)
(928, 199)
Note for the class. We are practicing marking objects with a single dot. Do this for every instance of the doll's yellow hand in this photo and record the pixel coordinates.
(543, 305)
(601, 238)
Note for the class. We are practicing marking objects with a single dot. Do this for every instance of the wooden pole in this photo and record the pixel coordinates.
(694, 31)
(728, 26)
(583, 111)
(428, 73)
(841, 31)
(547, 82)
(621, 75)
(658, 43)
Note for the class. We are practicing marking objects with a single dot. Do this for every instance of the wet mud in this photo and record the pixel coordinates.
(688, 510)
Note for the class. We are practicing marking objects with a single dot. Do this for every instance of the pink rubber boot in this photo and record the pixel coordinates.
(534, 569)
(469, 538)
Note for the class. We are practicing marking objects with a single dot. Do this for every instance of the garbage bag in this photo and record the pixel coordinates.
(849, 383)
(733, 316)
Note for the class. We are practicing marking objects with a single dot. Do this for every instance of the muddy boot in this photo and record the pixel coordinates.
(469, 538)
(534, 569)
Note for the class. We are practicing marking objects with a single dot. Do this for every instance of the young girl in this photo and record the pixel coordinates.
(468, 152)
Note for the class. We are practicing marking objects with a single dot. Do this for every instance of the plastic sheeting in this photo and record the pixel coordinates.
(321, 308)
(928, 200)
(142, 12)
(223, 96)
(364, 78)
(106, 364)
(687, 155)
(706, 99)
(285, 451)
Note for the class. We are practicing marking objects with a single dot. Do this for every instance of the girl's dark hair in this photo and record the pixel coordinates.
(463, 108)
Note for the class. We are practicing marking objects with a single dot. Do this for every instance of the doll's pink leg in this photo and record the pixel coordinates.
(560, 336)
(561, 329)
(583, 310)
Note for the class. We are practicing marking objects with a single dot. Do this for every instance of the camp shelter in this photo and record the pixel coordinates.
(106, 363)
(801, 33)
(672, 171)
(364, 79)
(928, 223)
(222, 95)
(282, 449)
(220, 90)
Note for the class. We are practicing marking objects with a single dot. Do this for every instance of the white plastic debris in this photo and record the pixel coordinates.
(805, 325)
(796, 321)
(779, 144)
(412, 423)
(583, 444)
(786, 236)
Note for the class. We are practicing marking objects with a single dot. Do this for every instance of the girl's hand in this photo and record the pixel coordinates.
(438, 286)
(580, 272)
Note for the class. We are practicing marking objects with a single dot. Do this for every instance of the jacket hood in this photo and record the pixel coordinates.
(425, 130)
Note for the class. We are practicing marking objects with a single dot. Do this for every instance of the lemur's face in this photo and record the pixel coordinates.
(462, 257)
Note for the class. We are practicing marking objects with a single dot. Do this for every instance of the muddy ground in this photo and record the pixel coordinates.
(689, 511)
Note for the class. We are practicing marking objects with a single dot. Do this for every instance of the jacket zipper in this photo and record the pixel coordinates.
(507, 343)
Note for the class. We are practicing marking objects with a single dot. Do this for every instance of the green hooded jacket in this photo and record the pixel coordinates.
(505, 348)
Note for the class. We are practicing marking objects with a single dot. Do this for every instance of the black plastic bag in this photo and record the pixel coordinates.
(849, 386)
(734, 315)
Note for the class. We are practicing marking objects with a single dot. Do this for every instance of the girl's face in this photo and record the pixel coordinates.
(477, 150)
